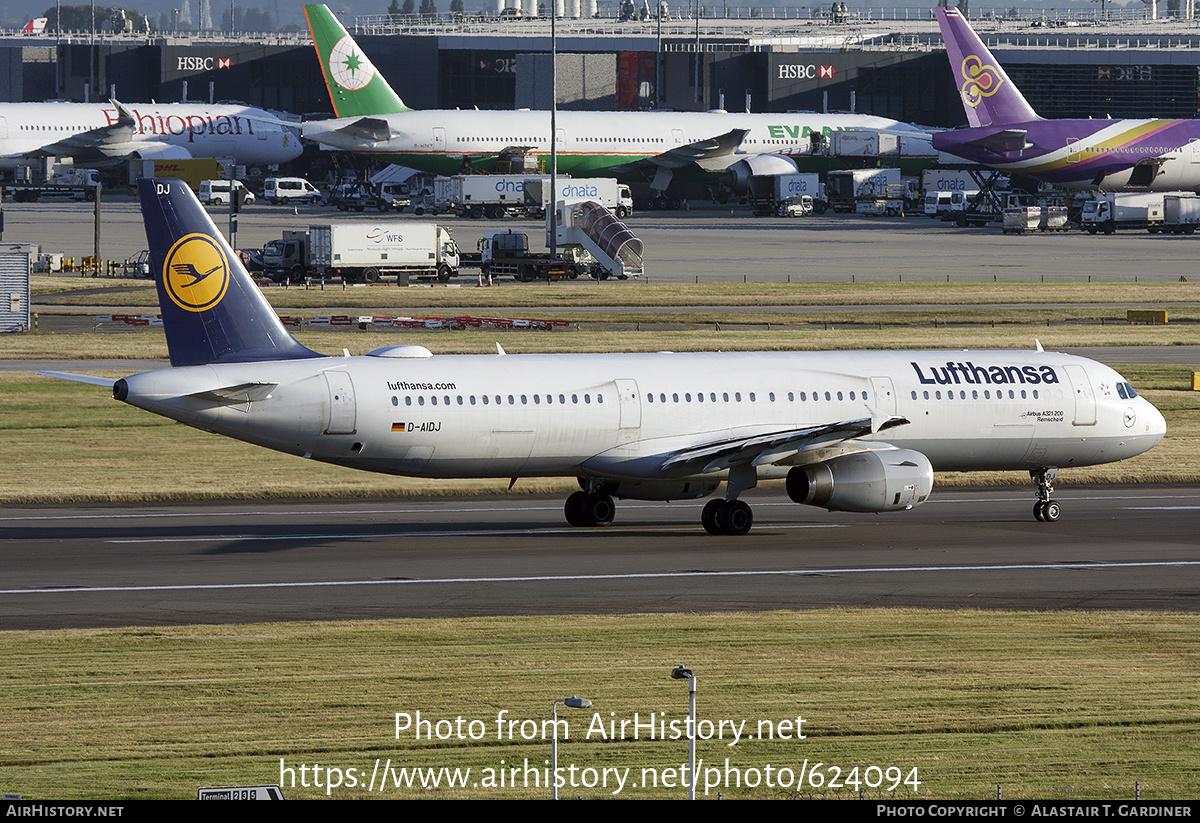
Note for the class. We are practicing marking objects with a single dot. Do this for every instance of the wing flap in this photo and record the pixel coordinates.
(713, 152)
(773, 447)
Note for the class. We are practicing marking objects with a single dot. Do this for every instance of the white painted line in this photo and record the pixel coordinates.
(414, 535)
(592, 577)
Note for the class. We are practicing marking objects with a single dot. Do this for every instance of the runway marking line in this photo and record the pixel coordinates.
(592, 577)
(358, 512)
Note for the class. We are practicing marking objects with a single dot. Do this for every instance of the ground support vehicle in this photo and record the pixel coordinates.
(587, 228)
(768, 193)
(1108, 211)
(78, 184)
(363, 253)
(290, 189)
(505, 253)
(844, 188)
(1181, 213)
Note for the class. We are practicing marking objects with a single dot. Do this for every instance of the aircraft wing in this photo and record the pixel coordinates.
(711, 154)
(105, 142)
(774, 447)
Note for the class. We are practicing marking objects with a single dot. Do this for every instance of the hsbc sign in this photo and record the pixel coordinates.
(203, 63)
(795, 71)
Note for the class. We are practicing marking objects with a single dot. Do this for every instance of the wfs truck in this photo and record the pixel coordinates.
(363, 253)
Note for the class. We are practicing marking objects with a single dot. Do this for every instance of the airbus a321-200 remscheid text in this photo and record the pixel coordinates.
(850, 431)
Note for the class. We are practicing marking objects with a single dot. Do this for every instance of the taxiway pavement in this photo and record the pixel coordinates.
(83, 566)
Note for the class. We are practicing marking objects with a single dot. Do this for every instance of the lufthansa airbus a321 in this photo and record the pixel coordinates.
(849, 431)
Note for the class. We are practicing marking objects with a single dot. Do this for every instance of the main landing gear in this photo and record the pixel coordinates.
(1045, 510)
(731, 516)
(591, 507)
(726, 517)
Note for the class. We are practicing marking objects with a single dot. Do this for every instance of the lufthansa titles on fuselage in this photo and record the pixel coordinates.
(968, 372)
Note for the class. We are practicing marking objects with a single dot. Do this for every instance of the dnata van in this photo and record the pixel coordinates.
(286, 189)
(216, 192)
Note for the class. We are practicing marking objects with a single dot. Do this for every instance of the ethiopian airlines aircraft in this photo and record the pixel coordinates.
(1006, 133)
(850, 431)
(98, 132)
(653, 146)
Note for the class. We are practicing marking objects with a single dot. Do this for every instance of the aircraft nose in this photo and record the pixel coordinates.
(1156, 424)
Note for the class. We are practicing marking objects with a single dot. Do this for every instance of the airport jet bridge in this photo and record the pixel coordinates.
(588, 225)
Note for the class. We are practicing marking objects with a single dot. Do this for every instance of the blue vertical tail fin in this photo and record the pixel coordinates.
(212, 311)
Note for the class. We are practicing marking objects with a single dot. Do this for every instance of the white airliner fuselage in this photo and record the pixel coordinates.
(589, 142)
(96, 132)
(652, 426)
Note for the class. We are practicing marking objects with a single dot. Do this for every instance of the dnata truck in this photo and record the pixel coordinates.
(775, 194)
(486, 195)
(846, 188)
(363, 252)
(614, 196)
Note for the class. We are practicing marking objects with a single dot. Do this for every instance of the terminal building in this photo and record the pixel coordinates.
(1134, 67)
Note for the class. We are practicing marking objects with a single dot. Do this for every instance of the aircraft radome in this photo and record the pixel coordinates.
(849, 431)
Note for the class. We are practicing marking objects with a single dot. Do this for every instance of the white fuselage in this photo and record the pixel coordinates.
(607, 137)
(250, 136)
(621, 415)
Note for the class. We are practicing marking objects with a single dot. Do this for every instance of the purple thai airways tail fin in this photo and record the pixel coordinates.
(989, 97)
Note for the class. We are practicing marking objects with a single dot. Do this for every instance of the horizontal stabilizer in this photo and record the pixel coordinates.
(77, 378)
(374, 129)
(1003, 142)
(232, 395)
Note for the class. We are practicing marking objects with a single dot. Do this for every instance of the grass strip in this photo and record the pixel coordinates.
(1078, 704)
(89, 291)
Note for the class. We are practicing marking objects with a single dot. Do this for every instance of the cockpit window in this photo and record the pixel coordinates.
(1121, 391)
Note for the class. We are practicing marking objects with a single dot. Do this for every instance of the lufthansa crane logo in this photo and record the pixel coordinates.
(980, 80)
(348, 66)
(196, 274)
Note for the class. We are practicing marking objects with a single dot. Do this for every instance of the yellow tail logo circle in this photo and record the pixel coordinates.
(196, 274)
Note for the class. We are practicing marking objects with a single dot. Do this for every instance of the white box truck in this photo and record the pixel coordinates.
(363, 252)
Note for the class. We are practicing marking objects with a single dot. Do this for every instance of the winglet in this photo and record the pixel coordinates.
(989, 98)
(355, 87)
(212, 311)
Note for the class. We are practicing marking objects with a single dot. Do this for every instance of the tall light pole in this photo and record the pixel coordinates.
(681, 673)
(553, 218)
(574, 703)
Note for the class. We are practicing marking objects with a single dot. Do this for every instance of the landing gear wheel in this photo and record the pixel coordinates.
(574, 509)
(735, 518)
(708, 517)
(598, 509)
(1045, 510)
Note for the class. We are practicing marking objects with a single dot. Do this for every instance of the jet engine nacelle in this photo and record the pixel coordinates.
(161, 151)
(877, 481)
(737, 177)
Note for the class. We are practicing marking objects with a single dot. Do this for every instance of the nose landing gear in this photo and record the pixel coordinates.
(1045, 510)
